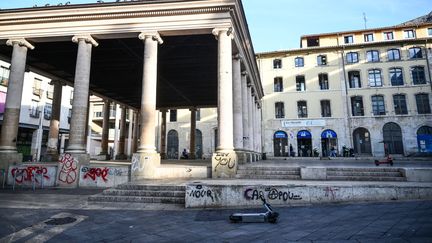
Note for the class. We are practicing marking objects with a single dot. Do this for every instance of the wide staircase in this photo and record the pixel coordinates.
(365, 174)
(136, 193)
(268, 172)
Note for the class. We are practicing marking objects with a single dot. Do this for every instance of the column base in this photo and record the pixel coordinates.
(9, 158)
(242, 156)
(224, 164)
(50, 157)
(69, 168)
(102, 157)
(144, 165)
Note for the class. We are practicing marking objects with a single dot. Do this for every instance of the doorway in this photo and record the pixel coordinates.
(424, 139)
(173, 144)
(280, 144)
(304, 143)
(328, 141)
(362, 142)
(392, 135)
(198, 144)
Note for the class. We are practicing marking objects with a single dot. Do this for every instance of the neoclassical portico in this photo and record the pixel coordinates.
(149, 56)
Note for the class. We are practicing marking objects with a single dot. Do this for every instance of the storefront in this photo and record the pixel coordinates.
(329, 142)
(280, 144)
(304, 143)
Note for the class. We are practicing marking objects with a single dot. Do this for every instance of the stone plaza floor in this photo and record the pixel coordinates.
(71, 219)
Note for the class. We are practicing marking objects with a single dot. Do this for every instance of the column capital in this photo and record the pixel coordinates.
(238, 57)
(151, 34)
(244, 73)
(86, 38)
(21, 42)
(193, 109)
(223, 30)
(163, 110)
(54, 82)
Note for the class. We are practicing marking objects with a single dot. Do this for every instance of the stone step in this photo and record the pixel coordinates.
(270, 177)
(364, 178)
(371, 169)
(150, 187)
(278, 168)
(144, 193)
(267, 172)
(364, 173)
(138, 199)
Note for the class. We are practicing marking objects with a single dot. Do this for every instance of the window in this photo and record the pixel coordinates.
(352, 57)
(34, 109)
(415, 52)
(278, 84)
(71, 97)
(37, 87)
(50, 92)
(277, 63)
(368, 37)
(388, 35)
(312, 41)
(396, 77)
(97, 114)
(378, 107)
(375, 78)
(302, 109)
(299, 62)
(357, 106)
(349, 39)
(354, 79)
(173, 115)
(300, 83)
(198, 114)
(325, 108)
(4, 76)
(393, 54)
(322, 60)
(429, 31)
(409, 34)
(423, 106)
(400, 104)
(418, 75)
(323, 81)
(279, 110)
(372, 56)
(70, 115)
(47, 111)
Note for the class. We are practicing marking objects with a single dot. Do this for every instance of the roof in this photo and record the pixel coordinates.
(425, 19)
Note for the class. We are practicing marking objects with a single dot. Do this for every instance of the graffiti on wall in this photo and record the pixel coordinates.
(136, 165)
(271, 193)
(26, 174)
(330, 192)
(223, 159)
(199, 192)
(68, 170)
(94, 173)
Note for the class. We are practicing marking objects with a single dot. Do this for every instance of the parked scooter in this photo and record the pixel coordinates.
(269, 216)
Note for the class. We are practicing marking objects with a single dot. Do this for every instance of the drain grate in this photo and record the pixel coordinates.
(61, 221)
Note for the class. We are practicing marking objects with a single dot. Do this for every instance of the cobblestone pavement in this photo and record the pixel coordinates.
(362, 222)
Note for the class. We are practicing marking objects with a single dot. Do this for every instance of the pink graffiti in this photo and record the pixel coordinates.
(97, 172)
(26, 174)
(68, 171)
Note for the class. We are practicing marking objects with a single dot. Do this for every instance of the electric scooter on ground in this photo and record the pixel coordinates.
(269, 216)
(388, 159)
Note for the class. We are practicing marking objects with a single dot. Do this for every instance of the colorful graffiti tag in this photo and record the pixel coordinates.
(68, 170)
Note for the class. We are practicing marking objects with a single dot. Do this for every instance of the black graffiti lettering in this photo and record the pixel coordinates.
(272, 194)
(201, 193)
(223, 159)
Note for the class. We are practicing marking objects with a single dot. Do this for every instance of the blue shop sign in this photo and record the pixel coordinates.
(304, 134)
(280, 134)
(328, 134)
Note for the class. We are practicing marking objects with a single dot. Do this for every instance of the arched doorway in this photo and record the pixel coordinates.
(362, 142)
(173, 144)
(280, 144)
(424, 139)
(392, 135)
(328, 141)
(198, 144)
(304, 143)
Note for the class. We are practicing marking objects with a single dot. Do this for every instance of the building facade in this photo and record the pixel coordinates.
(365, 90)
(36, 113)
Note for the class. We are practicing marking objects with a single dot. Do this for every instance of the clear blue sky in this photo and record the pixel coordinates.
(278, 24)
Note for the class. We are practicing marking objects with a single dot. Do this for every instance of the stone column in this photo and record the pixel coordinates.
(163, 134)
(104, 155)
(237, 109)
(77, 136)
(256, 139)
(224, 161)
(145, 162)
(129, 142)
(245, 117)
(249, 122)
(9, 130)
(135, 132)
(121, 142)
(52, 150)
(76, 154)
(192, 133)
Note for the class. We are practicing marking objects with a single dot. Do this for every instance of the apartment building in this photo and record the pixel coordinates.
(369, 90)
(35, 113)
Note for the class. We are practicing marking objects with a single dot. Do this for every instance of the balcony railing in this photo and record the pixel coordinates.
(34, 113)
(37, 91)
